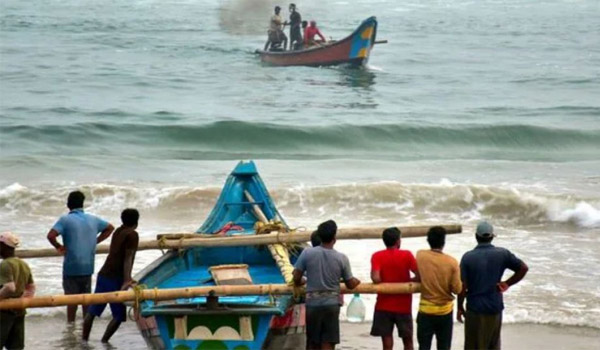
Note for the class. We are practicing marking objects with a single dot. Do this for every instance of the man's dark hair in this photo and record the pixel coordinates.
(277, 8)
(304, 24)
(315, 240)
(293, 5)
(130, 217)
(436, 237)
(327, 231)
(390, 236)
(6, 251)
(75, 200)
(484, 239)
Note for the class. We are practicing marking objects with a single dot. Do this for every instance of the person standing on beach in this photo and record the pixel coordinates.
(115, 274)
(393, 265)
(440, 279)
(16, 281)
(481, 272)
(324, 267)
(79, 233)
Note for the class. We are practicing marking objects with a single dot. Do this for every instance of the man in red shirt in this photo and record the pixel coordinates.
(310, 32)
(388, 266)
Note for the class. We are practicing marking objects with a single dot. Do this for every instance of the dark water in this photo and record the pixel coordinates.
(474, 110)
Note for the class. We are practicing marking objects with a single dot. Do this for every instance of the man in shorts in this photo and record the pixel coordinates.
(15, 282)
(393, 265)
(115, 274)
(275, 34)
(324, 267)
(79, 232)
(440, 279)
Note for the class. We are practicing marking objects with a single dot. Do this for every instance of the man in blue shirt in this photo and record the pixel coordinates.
(481, 272)
(79, 232)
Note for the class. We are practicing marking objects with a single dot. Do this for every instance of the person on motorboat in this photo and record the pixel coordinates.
(309, 35)
(276, 36)
(295, 32)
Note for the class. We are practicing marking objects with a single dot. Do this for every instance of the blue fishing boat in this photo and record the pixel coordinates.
(225, 323)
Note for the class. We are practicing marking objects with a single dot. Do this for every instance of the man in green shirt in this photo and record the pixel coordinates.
(15, 282)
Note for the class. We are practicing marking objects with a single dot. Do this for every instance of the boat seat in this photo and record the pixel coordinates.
(231, 274)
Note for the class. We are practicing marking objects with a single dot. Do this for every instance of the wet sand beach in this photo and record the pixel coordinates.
(52, 332)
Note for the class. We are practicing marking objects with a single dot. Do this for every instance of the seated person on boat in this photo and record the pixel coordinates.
(275, 33)
(309, 35)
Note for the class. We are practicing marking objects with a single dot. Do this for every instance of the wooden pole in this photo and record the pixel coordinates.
(257, 211)
(278, 251)
(191, 292)
(232, 241)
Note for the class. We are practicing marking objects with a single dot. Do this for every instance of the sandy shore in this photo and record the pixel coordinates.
(53, 333)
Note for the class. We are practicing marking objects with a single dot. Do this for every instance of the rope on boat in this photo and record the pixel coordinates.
(162, 244)
(137, 291)
(180, 250)
(279, 251)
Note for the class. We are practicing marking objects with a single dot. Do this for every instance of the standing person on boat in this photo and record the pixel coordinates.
(440, 279)
(115, 274)
(481, 271)
(295, 32)
(275, 32)
(393, 265)
(16, 281)
(324, 266)
(310, 32)
(79, 232)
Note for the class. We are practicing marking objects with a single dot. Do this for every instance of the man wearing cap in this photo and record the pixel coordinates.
(79, 231)
(324, 267)
(481, 272)
(15, 282)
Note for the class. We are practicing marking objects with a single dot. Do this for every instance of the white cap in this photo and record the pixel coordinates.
(10, 239)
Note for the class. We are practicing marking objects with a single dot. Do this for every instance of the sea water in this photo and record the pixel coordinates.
(474, 110)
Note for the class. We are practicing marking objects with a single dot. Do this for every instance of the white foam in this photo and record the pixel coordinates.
(11, 190)
(583, 215)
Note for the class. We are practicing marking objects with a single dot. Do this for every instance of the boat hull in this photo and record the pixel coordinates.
(353, 50)
(227, 323)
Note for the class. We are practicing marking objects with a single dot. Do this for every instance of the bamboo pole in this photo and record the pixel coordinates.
(191, 292)
(257, 211)
(232, 241)
(278, 251)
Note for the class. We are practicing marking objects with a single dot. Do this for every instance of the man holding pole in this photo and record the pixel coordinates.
(393, 265)
(79, 232)
(440, 279)
(324, 267)
(481, 270)
(115, 274)
(15, 282)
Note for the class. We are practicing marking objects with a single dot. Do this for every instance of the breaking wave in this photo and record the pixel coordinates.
(370, 202)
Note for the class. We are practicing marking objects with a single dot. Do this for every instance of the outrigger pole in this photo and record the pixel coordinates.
(138, 295)
(181, 241)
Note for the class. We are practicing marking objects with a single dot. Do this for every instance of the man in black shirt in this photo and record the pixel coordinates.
(295, 32)
(115, 274)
